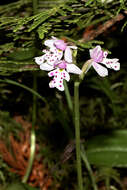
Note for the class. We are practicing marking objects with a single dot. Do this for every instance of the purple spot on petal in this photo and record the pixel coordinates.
(51, 74)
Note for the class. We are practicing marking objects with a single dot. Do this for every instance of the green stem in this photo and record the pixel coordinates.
(33, 137)
(23, 86)
(68, 96)
(77, 135)
(107, 182)
(84, 158)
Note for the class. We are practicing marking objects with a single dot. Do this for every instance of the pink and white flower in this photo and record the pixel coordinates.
(58, 76)
(57, 45)
(99, 56)
(52, 61)
(57, 50)
(61, 72)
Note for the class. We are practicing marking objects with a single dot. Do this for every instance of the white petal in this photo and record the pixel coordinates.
(56, 53)
(111, 63)
(46, 67)
(68, 54)
(39, 60)
(52, 73)
(57, 83)
(54, 38)
(72, 68)
(102, 71)
(53, 57)
(66, 76)
(52, 84)
(60, 87)
(49, 43)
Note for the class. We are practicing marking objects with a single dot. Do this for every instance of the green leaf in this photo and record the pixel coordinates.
(43, 18)
(89, 2)
(43, 29)
(108, 150)
(20, 186)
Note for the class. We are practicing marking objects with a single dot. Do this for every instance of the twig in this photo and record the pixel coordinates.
(91, 32)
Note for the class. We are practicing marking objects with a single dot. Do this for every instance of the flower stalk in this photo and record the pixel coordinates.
(33, 136)
(77, 134)
(68, 97)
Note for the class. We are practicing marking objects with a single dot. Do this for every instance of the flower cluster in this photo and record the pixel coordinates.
(58, 60)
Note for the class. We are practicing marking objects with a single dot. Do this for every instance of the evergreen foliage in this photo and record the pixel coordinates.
(67, 19)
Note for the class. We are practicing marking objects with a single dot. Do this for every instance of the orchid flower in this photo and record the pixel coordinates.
(57, 48)
(99, 56)
(61, 72)
(60, 46)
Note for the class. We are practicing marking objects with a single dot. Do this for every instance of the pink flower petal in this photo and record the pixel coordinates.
(60, 44)
(96, 54)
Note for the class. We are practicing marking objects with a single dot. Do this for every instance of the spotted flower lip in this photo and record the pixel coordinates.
(60, 71)
(58, 76)
(99, 56)
(49, 57)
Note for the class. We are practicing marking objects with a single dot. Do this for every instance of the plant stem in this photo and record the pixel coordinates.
(107, 183)
(33, 136)
(25, 87)
(68, 96)
(77, 135)
(84, 158)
